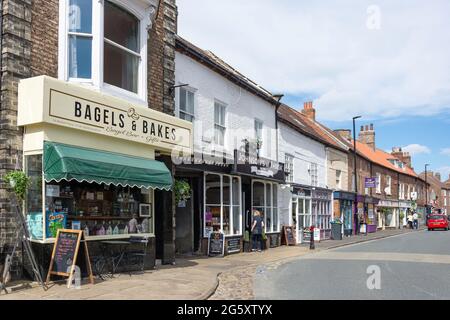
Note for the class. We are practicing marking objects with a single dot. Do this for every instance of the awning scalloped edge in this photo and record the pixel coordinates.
(110, 183)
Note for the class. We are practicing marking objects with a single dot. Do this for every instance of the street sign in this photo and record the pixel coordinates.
(370, 182)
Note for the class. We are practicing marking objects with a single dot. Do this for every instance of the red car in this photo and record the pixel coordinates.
(437, 221)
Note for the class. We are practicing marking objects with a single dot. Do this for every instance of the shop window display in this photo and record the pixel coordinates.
(222, 204)
(265, 201)
(98, 209)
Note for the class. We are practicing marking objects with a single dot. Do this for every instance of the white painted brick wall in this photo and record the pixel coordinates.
(305, 151)
(242, 106)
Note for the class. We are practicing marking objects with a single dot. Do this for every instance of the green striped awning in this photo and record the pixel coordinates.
(66, 162)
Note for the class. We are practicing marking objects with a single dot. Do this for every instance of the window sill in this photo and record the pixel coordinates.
(100, 238)
(111, 90)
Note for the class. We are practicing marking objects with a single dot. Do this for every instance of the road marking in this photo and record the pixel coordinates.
(382, 256)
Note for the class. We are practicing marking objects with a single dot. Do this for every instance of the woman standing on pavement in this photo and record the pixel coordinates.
(257, 230)
(415, 220)
(410, 219)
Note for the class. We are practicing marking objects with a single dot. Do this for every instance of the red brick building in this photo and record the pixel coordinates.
(438, 191)
(396, 183)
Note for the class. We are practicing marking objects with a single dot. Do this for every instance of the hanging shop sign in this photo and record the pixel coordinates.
(370, 182)
(258, 166)
(46, 100)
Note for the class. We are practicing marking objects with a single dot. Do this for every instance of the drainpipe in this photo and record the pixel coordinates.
(398, 196)
(1, 42)
(277, 106)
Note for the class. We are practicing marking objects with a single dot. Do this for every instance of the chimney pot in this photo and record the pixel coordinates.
(362, 128)
(366, 128)
(371, 126)
(309, 111)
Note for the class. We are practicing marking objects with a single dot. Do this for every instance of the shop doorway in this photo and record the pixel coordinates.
(184, 230)
(188, 219)
(246, 205)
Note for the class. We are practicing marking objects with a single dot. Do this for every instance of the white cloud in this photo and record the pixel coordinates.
(324, 49)
(445, 172)
(415, 149)
(445, 151)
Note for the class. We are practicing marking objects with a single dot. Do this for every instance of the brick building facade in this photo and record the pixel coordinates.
(30, 41)
(396, 180)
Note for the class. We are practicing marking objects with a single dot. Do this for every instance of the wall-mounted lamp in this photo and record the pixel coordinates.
(172, 88)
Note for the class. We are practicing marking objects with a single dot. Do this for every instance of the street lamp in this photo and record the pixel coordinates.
(426, 189)
(354, 170)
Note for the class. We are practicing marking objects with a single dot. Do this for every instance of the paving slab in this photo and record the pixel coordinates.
(191, 278)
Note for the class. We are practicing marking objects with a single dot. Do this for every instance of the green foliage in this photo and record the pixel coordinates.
(19, 181)
(402, 215)
(182, 190)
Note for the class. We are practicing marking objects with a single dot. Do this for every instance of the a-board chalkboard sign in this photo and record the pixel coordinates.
(65, 253)
(274, 240)
(289, 236)
(233, 245)
(216, 244)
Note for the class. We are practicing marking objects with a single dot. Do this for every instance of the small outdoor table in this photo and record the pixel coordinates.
(121, 249)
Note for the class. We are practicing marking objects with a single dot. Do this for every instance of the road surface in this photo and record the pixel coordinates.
(410, 266)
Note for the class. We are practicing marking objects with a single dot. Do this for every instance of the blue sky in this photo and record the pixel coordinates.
(387, 60)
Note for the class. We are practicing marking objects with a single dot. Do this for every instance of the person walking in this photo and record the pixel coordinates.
(257, 230)
(416, 220)
(356, 223)
(410, 220)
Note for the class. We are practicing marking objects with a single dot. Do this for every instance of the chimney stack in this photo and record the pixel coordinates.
(438, 175)
(309, 111)
(404, 157)
(367, 136)
(344, 133)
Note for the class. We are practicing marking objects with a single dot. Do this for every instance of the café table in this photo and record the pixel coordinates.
(116, 250)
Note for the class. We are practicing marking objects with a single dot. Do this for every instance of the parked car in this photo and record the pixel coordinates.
(438, 221)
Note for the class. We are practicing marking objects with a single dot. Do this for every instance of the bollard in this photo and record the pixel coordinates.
(311, 241)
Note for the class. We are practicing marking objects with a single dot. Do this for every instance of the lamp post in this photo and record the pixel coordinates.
(354, 173)
(426, 191)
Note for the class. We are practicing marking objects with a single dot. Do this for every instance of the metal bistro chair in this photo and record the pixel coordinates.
(135, 257)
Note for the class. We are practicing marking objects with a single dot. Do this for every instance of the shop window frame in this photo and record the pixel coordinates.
(274, 186)
(46, 239)
(231, 205)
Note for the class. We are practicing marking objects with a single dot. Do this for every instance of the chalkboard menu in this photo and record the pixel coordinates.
(216, 244)
(66, 248)
(233, 245)
(64, 255)
(274, 240)
(289, 236)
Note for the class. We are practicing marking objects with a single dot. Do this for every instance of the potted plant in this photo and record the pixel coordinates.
(19, 182)
(401, 216)
(182, 190)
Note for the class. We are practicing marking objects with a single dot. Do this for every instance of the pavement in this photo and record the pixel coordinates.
(191, 278)
(410, 266)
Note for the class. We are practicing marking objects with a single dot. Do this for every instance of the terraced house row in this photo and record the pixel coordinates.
(127, 129)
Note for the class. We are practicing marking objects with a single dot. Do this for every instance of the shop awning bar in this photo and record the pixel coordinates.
(66, 162)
